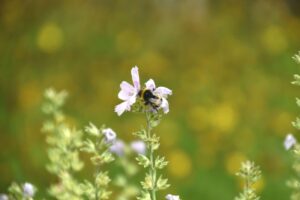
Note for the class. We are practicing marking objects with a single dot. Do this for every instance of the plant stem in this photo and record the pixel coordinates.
(152, 169)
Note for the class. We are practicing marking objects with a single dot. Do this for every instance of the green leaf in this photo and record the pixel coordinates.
(162, 183)
(143, 160)
(160, 163)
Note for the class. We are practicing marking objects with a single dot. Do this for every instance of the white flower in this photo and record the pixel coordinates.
(28, 190)
(289, 141)
(128, 92)
(3, 197)
(138, 146)
(117, 147)
(110, 135)
(172, 197)
(161, 92)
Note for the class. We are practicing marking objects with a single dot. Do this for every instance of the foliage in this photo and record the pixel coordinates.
(250, 173)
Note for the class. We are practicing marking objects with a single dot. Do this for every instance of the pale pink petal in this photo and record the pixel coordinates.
(135, 78)
(163, 92)
(126, 87)
(165, 105)
(126, 92)
(131, 100)
(123, 95)
(150, 84)
(120, 108)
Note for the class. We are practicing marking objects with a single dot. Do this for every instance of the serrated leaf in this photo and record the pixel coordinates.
(162, 183)
(143, 160)
(88, 146)
(160, 163)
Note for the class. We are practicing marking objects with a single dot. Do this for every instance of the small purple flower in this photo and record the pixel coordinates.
(110, 135)
(161, 92)
(117, 147)
(28, 190)
(128, 92)
(289, 141)
(3, 197)
(172, 197)
(138, 146)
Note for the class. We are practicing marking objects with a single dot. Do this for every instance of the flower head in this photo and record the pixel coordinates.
(110, 135)
(128, 92)
(289, 141)
(118, 147)
(138, 146)
(172, 197)
(161, 92)
(28, 190)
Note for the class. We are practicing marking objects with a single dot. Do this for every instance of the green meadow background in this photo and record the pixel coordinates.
(228, 63)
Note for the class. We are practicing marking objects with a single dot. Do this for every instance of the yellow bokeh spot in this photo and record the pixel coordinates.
(258, 186)
(50, 38)
(180, 164)
(233, 162)
(274, 40)
(223, 117)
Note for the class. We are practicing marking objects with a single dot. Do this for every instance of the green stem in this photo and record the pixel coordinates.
(152, 169)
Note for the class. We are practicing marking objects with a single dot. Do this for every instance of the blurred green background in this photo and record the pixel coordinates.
(228, 63)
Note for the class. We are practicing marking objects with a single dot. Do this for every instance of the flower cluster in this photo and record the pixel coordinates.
(290, 142)
(251, 174)
(25, 191)
(150, 100)
(65, 144)
(100, 149)
(130, 93)
(63, 152)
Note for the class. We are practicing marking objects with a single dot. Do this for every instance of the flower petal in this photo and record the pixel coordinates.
(135, 78)
(131, 100)
(289, 141)
(126, 92)
(150, 84)
(120, 108)
(165, 105)
(124, 95)
(163, 91)
(126, 87)
(139, 147)
(118, 147)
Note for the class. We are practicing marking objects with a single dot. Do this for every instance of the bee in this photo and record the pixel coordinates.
(150, 99)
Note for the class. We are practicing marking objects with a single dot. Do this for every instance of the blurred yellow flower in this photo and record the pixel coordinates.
(50, 38)
(274, 40)
(197, 118)
(223, 117)
(258, 186)
(233, 162)
(180, 164)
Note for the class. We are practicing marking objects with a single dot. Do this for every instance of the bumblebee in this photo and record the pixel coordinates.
(150, 99)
